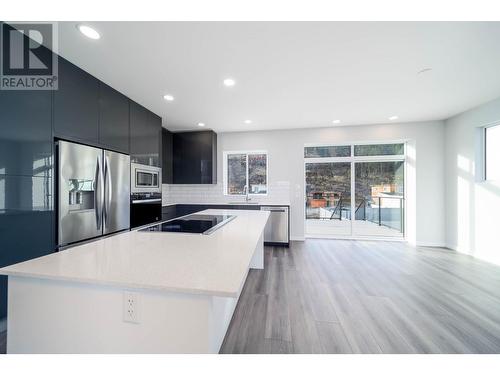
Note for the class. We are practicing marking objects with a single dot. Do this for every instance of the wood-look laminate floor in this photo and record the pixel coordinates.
(341, 296)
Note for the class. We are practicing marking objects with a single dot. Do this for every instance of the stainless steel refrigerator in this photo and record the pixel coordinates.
(93, 192)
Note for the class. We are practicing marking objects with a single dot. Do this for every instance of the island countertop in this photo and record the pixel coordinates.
(214, 264)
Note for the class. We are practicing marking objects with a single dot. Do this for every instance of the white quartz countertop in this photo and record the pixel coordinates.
(214, 264)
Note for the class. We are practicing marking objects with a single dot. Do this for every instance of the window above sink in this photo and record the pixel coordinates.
(245, 173)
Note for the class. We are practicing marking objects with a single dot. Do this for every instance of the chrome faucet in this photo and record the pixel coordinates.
(245, 191)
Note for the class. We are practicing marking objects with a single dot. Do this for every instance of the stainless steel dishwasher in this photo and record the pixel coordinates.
(276, 231)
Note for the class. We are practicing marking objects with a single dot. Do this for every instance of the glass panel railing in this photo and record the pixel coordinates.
(381, 215)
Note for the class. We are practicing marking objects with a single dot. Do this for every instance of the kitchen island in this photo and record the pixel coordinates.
(135, 292)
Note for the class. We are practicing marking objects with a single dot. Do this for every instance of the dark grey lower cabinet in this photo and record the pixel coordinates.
(26, 223)
(26, 180)
(169, 212)
(177, 210)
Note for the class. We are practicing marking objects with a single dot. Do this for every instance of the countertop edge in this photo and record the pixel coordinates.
(121, 284)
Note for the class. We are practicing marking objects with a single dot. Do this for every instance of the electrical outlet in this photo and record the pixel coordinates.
(130, 307)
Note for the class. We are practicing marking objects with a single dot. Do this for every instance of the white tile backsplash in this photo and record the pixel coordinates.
(278, 193)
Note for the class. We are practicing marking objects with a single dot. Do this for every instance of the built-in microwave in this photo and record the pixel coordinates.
(145, 178)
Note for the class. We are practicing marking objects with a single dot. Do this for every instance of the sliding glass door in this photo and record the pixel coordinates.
(379, 198)
(328, 198)
(373, 172)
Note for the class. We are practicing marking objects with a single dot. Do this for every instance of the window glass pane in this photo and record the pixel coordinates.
(327, 151)
(257, 179)
(236, 173)
(328, 198)
(144, 179)
(493, 153)
(379, 199)
(377, 150)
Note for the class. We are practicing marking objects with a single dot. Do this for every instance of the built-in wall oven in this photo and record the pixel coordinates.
(145, 198)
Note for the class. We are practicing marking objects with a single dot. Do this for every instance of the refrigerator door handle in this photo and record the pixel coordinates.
(107, 190)
(97, 194)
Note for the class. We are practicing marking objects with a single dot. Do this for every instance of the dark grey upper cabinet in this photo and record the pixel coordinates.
(195, 157)
(26, 133)
(76, 104)
(113, 119)
(145, 136)
(155, 125)
(167, 157)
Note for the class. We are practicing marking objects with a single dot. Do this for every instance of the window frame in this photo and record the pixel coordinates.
(484, 158)
(353, 158)
(225, 177)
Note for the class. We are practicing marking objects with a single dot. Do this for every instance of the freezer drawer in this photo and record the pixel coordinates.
(276, 230)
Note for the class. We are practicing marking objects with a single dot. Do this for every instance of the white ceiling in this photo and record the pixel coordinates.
(293, 74)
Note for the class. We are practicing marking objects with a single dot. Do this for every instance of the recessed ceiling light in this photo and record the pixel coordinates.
(393, 118)
(88, 31)
(229, 82)
(336, 121)
(168, 98)
(248, 121)
(201, 124)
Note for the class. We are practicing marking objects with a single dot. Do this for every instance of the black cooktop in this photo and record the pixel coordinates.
(204, 224)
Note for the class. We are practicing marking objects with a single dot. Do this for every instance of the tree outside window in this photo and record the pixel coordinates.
(246, 172)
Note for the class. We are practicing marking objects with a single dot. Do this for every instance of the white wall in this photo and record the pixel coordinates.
(472, 207)
(425, 174)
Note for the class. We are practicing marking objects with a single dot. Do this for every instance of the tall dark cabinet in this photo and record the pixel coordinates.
(195, 157)
(167, 157)
(113, 119)
(145, 136)
(26, 180)
(88, 111)
(76, 104)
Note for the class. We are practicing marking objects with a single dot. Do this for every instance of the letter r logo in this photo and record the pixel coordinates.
(23, 52)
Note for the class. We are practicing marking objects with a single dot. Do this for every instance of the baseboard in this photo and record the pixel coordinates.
(3, 324)
(458, 249)
(432, 244)
(292, 238)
